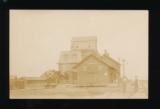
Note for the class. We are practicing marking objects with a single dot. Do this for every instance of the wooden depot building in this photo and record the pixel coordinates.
(94, 70)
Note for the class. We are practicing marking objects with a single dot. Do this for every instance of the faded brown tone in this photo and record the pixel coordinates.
(38, 36)
(41, 39)
(96, 72)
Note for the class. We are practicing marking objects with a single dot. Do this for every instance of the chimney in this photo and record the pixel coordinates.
(106, 53)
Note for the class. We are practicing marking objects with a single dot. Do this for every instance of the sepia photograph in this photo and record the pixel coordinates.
(78, 54)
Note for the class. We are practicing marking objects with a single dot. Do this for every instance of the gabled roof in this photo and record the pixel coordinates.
(44, 75)
(34, 78)
(104, 55)
(86, 38)
(94, 56)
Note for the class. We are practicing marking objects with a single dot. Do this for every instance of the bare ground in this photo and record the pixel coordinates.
(68, 91)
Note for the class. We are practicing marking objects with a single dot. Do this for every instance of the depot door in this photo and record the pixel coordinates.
(92, 78)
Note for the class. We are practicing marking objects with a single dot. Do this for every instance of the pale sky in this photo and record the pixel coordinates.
(38, 36)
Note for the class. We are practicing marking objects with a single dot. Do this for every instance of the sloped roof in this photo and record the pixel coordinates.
(94, 56)
(86, 38)
(34, 78)
(44, 75)
(13, 77)
(104, 55)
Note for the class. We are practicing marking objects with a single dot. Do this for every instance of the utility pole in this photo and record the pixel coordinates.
(124, 66)
(119, 60)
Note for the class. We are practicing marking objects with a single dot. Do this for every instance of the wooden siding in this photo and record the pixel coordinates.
(92, 74)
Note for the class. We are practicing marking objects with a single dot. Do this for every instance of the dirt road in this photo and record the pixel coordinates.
(66, 91)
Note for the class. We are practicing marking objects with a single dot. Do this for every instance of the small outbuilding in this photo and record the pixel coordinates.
(34, 81)
(13, 82)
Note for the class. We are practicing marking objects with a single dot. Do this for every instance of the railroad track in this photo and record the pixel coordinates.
(146, 91)
(140, 87)
(131, 94)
